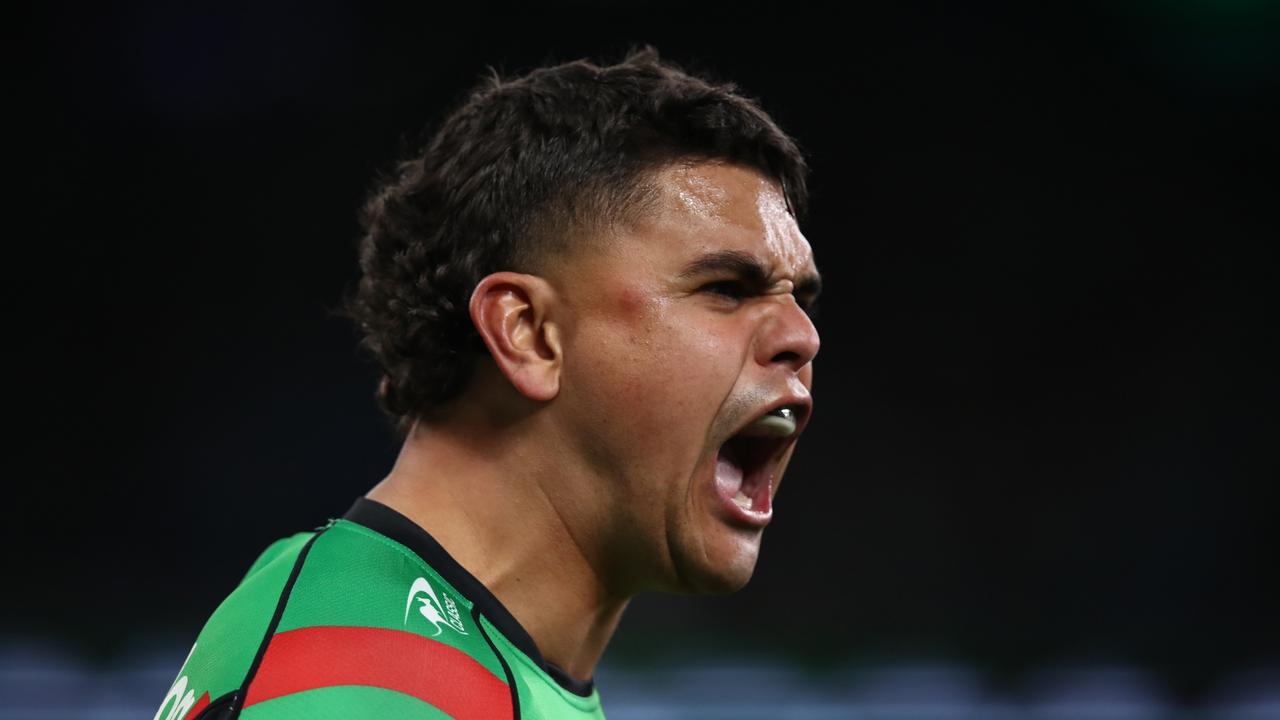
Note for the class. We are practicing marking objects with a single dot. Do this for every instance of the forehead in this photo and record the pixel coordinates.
(708, 207)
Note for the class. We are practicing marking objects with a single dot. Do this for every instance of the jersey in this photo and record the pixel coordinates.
(368, 617)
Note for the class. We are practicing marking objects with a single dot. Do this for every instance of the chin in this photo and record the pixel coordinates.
(724, 584)
(725, 568)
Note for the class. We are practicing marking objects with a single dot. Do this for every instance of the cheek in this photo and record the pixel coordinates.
(656, 364)
(632, 303)
(687, 351)
(666, 379)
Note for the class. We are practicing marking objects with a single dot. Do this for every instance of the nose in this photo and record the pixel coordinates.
(788, 336)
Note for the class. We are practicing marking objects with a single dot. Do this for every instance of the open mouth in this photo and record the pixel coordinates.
(747, 463)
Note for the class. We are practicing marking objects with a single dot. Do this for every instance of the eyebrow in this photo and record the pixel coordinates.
(749, 268)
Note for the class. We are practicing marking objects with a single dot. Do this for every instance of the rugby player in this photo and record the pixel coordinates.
(588, 296)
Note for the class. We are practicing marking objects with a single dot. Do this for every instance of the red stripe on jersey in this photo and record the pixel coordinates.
(201, 704)
(324, 656)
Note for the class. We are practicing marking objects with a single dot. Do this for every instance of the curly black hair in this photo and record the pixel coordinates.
(523, 166)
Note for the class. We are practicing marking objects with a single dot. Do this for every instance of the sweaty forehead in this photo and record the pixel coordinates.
(723, 205)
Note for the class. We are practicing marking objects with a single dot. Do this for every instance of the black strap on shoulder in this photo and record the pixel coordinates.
(220, 709)
(506, 669)
(237, 701)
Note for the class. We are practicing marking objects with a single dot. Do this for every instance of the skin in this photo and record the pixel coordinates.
(589, 442)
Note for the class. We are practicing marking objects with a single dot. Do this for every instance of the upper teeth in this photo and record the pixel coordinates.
(779, 422)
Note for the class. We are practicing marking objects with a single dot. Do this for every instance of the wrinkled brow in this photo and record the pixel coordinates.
(747, 267)
(734, 262)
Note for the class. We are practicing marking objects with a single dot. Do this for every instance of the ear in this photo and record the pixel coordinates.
(511, 313)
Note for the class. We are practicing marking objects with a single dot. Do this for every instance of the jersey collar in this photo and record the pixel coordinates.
(382, 519)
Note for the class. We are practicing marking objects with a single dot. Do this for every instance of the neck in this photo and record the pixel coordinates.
(485, 495)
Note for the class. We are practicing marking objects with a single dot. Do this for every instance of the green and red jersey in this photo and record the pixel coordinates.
(368, 617)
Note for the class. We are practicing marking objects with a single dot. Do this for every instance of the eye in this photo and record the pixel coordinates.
(726, 288)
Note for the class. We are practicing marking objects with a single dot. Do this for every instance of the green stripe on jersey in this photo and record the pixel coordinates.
(343, 703)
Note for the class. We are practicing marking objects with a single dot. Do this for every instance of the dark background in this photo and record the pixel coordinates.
(1046, 428)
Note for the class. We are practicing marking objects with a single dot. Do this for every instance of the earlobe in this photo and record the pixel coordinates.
(514, 314)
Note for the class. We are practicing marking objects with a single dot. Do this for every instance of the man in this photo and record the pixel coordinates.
(588, 299)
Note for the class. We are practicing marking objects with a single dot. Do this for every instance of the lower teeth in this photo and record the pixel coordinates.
(743, 501)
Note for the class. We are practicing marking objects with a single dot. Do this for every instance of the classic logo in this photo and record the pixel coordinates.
(438, 614)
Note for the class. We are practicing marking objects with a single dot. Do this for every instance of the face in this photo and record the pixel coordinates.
(687, 345)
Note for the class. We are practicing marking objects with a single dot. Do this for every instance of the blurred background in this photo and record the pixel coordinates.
(1041, 480)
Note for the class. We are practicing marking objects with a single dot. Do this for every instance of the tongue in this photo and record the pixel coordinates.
(728, 476)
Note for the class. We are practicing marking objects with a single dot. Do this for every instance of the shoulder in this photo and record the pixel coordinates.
(347, 621)
(366, 611)
(227, 645)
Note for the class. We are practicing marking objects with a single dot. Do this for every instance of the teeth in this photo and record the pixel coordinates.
(743, 501)
(777, 423)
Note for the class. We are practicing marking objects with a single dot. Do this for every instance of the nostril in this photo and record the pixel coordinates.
(787, 357)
